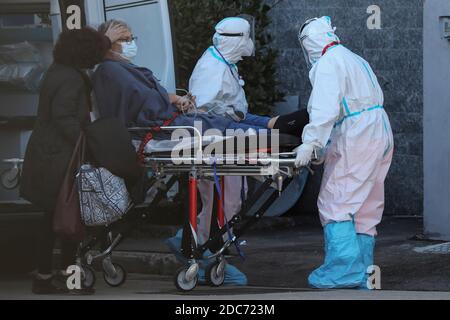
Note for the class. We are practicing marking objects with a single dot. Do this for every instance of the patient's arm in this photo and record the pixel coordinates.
(173, 98)
(183, 103)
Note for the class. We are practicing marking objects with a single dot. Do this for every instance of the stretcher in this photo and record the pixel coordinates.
(273, 165)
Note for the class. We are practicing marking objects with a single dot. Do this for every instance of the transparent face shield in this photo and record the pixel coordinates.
(305, 53)
(252, 21)
(302, 39)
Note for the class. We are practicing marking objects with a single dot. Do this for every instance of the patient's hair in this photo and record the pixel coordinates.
(80, 48)
(113, 22)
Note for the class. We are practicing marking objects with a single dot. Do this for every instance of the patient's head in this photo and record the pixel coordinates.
(125, 47)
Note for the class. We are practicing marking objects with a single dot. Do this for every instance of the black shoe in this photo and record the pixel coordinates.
(82, 291)
(46, 286)
(61, 282)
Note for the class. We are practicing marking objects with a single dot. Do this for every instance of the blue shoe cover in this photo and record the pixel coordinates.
(234, 277)
(343, 266)
(174, 244)
(366, 245)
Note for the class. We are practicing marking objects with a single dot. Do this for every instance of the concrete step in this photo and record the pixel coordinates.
(150, 230)
(148, 256)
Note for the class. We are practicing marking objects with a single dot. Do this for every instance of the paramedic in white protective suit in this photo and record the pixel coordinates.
(217, 86)
(346, 112)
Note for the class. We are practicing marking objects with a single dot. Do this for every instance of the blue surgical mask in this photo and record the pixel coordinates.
(129, 49)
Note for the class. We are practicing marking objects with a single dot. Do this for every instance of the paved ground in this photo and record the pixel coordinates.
(299, 251)
(140, 286)
(277, 264)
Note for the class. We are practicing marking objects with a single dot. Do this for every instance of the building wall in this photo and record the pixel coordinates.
(436, 121)
(394, 52)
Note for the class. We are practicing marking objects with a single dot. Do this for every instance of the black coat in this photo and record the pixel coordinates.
(63, 111)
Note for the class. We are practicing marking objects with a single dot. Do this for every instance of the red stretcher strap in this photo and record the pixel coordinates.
(149, 136)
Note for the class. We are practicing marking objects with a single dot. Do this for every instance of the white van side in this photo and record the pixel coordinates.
(21, 21)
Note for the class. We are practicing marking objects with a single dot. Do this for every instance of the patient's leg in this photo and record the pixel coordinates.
(233, 195)
(292, 123)
(257, 121)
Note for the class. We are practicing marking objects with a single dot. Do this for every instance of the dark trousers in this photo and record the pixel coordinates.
(45, 245)
(292, 123)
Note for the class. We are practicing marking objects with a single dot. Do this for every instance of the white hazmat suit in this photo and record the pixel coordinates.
(222, 93)
(347, 117)
(218, 88)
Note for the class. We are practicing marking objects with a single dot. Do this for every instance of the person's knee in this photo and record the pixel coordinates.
(292, 123)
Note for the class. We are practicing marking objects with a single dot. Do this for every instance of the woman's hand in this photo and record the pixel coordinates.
(116, 32)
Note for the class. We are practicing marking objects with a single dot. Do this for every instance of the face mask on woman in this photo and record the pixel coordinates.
(129, 49)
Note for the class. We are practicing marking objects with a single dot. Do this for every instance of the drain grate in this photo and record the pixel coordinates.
(441, 248)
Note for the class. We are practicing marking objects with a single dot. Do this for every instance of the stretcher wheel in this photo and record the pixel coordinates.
(118, 279)
(88, 277)
(10, 179)
(182, 283)
(215, 274)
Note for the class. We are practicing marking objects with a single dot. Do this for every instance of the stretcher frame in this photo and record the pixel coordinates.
(191, 170)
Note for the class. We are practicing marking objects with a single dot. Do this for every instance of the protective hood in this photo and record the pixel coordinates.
(314, 36)
(232, 39)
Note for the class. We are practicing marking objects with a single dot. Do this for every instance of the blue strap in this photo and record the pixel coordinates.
(347, 109)
(357, 113)
(230, 235)
(220, 58)
(243, 190)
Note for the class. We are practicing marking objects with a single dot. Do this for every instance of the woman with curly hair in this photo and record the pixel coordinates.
(62, 113)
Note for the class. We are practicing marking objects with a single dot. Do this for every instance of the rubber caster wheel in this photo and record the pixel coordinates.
(215, 274)
(118, 279)
(10, 179)
(184, 284)
(88, 277)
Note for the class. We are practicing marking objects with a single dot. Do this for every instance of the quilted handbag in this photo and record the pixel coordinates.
(103, 196)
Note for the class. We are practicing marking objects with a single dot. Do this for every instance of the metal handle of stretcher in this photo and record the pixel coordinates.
(219, 160)
(250, 167)
(199, 152)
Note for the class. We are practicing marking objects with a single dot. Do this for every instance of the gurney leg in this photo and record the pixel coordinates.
(161, 192)
(260, 212)
(220, 204)
(258, 215)
(236, 218)
(186, 277)
(218, 218)
(189, 238)
(193, 205)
